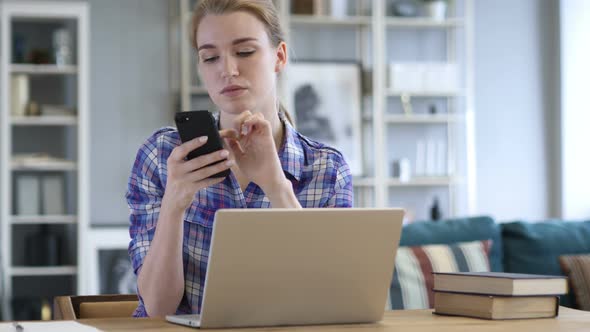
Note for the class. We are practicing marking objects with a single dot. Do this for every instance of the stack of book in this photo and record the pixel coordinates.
(493, 295)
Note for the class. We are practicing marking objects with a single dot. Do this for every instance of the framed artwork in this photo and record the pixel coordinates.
(325, 100)
(110, 268)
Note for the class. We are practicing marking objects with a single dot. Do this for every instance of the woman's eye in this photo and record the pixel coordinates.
(245, 53)
(210, 58)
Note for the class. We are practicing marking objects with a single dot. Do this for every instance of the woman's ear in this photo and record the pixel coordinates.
(281, 57)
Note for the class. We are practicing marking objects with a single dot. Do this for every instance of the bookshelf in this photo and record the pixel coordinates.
(44, 157)
(370, 35)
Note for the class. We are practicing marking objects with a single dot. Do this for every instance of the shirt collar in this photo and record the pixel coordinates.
(291, 154)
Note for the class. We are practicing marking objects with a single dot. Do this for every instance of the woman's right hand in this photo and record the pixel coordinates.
(186, 177)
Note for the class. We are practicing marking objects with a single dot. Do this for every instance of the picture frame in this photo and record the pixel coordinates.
(324, 99)
(109, 267)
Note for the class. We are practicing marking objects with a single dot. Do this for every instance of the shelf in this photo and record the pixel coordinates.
(421, 182)
(329, 20)
(42, 69)
(45, 120)
(44, 166)
(363, 182)
(198, 90)
(27, 271)
(432, 94)
(47, 219)
(420, 118)
(422, 22)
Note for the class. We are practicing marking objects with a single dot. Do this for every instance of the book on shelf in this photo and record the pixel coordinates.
(53, 194)
(27, 194)
(498, 283)
(495, 307)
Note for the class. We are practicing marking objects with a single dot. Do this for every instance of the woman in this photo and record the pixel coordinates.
(241, 51)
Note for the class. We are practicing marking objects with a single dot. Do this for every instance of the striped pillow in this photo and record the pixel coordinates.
(412, 283)
(577, 268)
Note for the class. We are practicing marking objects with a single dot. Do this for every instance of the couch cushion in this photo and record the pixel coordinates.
(412, 283)
(577, 268)
(456, 230)
(535, 247)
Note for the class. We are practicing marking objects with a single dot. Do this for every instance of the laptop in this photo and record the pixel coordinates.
(277, 267)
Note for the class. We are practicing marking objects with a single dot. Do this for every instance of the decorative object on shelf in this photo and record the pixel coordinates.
(55, 110)
(62, 47)
(320, 7)
(302, 7)
(33, 109)
(420, 77)
(28, 195)
(339, 8)
(42, 248)
(19, 94)
(401, 169)
(363, 7)
(40, 56)
(116, 272)
(406, 103)
(435, 213)
(435, 9)
(432, 109)
(325, 99)
(405, 8)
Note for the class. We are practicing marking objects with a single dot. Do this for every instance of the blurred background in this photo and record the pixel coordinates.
(446, 108)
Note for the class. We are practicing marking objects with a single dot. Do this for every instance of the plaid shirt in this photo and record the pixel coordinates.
(320, 178)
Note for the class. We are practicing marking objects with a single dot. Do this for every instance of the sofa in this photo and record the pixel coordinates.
(516, 247)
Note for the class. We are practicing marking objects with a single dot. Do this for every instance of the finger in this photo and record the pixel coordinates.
(209, 182)
(238, 120)
(204, 160)
(255, 121)
(229, 133)
(207, 171)
(180, 152)
(235, 147)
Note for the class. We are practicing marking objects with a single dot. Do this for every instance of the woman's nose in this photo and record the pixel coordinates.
(229, 68)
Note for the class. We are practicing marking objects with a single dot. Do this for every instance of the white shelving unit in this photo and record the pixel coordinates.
(370, 32)
(74, 167)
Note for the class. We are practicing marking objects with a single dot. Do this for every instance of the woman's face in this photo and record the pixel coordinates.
(238, 63)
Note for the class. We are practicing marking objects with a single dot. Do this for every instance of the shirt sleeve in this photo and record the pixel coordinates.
(144, 197)
(343, 193)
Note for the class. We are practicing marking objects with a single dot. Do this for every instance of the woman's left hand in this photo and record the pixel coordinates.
(252, 144)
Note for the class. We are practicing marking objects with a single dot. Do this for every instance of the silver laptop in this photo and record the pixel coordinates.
(275, 267)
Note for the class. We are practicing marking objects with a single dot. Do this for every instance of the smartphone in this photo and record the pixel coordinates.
(195, 124)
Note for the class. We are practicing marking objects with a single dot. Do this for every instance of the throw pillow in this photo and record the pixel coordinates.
(577, 268)
(412, 283)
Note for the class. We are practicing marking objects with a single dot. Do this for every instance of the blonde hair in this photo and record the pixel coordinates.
(263, 10)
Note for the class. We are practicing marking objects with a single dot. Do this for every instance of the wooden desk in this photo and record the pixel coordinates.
(398, 321)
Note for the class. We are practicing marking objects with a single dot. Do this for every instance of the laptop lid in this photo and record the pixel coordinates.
(273, 267)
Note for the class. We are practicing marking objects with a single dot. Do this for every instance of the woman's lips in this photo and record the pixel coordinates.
(233, 90)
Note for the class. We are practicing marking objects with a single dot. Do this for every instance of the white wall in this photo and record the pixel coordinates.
(575, 71)
(129, 93)
(516, 91)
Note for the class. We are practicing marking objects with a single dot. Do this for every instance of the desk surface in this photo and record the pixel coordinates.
(399, 320)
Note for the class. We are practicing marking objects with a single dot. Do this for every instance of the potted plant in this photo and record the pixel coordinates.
(436, 9)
